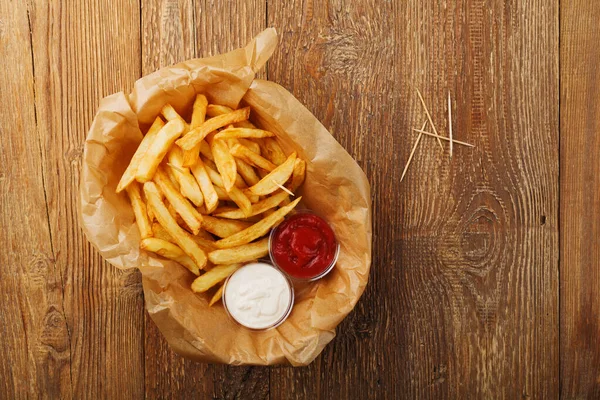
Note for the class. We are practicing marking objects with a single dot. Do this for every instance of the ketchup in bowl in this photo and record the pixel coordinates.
(304, 246)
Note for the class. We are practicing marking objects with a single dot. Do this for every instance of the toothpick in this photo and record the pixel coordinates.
(176, 168)
(412, 153)
(442, 137)
(429, 117)
(283, 188)
(450, 122)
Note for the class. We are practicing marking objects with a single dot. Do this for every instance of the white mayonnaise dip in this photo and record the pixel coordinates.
(258, 296)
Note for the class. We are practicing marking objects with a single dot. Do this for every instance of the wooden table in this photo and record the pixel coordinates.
(486, 270)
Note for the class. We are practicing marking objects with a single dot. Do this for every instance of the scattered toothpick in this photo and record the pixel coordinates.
(442, 137)
(429, 117)
(412, 153)
(284, 188)
(450, 123)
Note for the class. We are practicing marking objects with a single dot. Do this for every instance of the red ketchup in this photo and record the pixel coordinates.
(304, 246)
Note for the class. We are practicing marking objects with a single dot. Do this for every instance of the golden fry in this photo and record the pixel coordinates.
(216, 297)
(272, 151)
(257, 230)
(206, 151)
(223, 227)
(170, 115)
(212, 277)
(160, 233)
(187, 183)
(214, 109)
(199, 111)
(240, 254)
(221, 193)
(211, 199)
(276, 178)
(298, 175)
(250, 157)
(129, 174)
(251, 145)
(192, 218)
(158, 149)
(225, 163)
(169, 250)
(217, 179)
(139, 209)
(196, 135)
(198, 117)
(242, 201)
(257, 208)
(179, 235)
(237, 133)
(246, 172)
(205, 244)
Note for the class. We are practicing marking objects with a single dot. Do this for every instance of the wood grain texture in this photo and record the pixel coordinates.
(580, 201)
(34, 329)
(463, 299)
(82, 52)
(180, 30)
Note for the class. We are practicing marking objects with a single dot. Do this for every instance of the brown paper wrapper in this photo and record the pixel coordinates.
(335, 187)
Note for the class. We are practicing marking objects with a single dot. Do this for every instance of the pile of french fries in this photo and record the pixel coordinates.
(206, 193)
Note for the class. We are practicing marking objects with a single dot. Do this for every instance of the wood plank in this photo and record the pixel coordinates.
(176, 31)
(463, 301)
(579, 200)
(35, 346)
(82, 52)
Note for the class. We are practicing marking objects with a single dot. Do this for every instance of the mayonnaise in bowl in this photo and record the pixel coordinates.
(258, 296)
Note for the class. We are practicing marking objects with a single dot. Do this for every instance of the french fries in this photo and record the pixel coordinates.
(129, 174)
(190, 157)
(178, 234)
(298, 174)
(272, 151)
(223, 227)
(242, 201)
(196, 135)
(231, 133)
(211, 199)
(194, 174)
(139, 210)
(252, 146)
(256, 208)
(216, 297)
(189, 186)
(158, 149)
(251, 157)
(247, 172)
(192, 218)
(225, 163)
(214, 110)
(214, 276)
(240, 254)
(257, 230)
(169, 250)
(275, 179)
(170, 114)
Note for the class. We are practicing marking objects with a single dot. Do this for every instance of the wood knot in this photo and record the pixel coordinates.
(473, 239)
(477, 238)
(38, 267)
(55, 333)
(348, 51)
(74, 155)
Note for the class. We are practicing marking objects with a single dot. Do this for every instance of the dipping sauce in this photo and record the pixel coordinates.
(258, 296)
(304, 246)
